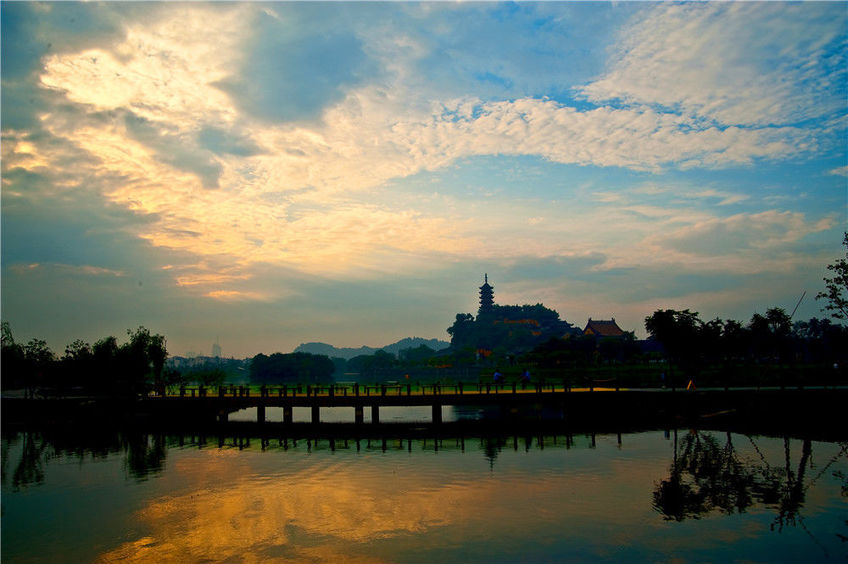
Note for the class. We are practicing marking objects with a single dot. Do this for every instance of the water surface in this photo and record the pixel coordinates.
(649, 496)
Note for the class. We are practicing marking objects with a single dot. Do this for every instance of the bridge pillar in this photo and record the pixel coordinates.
(375, 414)
(287, 414)
(223, 417)
(260, 413)
(437, 413)
(358, 414)
(316, 414)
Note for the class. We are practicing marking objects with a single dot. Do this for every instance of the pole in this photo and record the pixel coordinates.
(796, 305)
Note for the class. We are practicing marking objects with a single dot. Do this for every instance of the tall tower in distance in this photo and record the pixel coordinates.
(216, 349)
(487, 297)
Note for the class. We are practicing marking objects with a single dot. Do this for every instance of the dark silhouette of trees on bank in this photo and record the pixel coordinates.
(581, 351)
(298, 367)
(505, 329)
(105, 368)
(771, 339)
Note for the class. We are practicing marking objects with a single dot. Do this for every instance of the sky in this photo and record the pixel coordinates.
(269, 174)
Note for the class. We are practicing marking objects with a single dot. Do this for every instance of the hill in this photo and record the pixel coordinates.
(347, 352)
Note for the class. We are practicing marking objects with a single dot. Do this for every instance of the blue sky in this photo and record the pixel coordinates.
(270, 174)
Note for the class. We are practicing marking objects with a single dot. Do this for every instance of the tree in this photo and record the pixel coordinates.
(6, 331)
(140, 362)
(461, 329)
(38, 359)
(28, 366)
(771, 333)
(734, 339)
(296, 367)
(372, 365)
(211, 377)
(577, 350)
(711, 339)
(418, 355)
(678, 332)
(619, 349)
(12, 358)
(78, 364)
(836, 292)
(105, 353)
(506, 329)
(822, 341)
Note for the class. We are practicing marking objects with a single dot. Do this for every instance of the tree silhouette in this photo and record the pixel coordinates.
(836, 292)
(679, 333)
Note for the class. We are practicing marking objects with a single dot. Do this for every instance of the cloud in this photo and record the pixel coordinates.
(235, 295)
(297, 62)
(160, 127)
(725, 198)
(737, 235)
(734, 64)
(159, 78)
(544, 269)
(175, 150)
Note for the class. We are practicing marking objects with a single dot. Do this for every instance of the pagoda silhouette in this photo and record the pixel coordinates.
(487, 297)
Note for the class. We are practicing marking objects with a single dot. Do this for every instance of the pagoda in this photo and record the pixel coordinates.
(487, 297)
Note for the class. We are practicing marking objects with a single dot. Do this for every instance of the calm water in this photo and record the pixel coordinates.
(655, 496)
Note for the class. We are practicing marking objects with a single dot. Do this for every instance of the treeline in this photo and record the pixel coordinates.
(299, 367)
(581, 351)
(692, 344)
(104, 368)
(771, 338)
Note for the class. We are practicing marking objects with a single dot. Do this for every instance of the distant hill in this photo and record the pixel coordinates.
(348, 353)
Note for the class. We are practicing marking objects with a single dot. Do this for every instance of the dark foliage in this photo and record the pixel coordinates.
(768, 338)
(106, 368)
(506, 329)
(299, 367)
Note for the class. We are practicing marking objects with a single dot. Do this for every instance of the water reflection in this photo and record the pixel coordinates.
(26, 454)
(426, 497)
(706, 475)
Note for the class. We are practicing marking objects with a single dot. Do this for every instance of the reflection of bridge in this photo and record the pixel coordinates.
(802, 407)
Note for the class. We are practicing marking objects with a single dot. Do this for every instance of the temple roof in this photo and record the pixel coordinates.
(603, 328)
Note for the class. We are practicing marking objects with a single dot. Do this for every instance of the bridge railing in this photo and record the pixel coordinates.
(388, 389)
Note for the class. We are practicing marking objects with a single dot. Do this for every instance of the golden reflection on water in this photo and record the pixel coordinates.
(245, 516)
(320, 511)
(248, 506)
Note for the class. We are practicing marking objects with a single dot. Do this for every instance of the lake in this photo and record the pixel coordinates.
(86, 495)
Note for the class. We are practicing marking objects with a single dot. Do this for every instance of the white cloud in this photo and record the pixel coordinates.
(165, 72)
(735, 63)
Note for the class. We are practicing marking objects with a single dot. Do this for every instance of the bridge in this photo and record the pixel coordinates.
(513, 400)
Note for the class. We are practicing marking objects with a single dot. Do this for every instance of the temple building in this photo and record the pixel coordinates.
(602, 328)
(487, 297)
